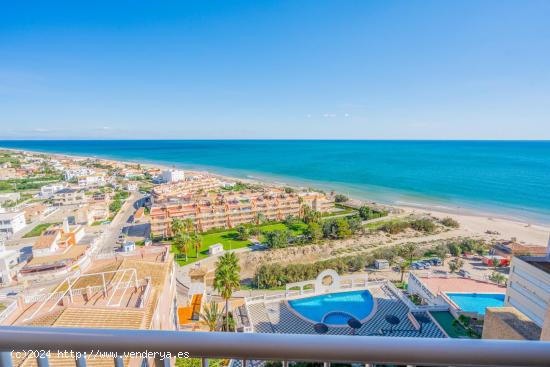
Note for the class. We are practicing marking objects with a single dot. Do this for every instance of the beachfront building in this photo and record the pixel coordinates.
(227, 210)
(11, 223)
(183, 189)
(529, 287)
(173, 175)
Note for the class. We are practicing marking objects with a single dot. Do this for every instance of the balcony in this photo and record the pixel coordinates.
(247, 347)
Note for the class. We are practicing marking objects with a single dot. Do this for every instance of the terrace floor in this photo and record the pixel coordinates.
(276, 317)
(439, 285)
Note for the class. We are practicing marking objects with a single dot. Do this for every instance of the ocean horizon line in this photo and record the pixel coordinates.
(490, 178)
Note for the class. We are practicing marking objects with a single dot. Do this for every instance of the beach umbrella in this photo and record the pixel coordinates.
(320, 328)
(354, 324)
(392, 320)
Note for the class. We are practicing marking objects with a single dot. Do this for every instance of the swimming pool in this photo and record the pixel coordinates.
(476, 302)
(335, 308)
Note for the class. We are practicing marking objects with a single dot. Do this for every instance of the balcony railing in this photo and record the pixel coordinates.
(250, 346)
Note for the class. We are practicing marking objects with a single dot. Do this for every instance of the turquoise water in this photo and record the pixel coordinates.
(335, 308)
(506, 178)
(476, 302)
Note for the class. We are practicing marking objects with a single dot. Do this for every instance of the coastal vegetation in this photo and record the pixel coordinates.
(450, 222)
(340, 198)
(367, 213)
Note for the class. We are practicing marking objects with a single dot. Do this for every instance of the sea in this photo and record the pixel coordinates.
(509, 179)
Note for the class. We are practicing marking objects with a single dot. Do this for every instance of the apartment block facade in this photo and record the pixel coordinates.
(232, 209)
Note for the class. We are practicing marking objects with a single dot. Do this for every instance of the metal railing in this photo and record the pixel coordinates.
(282, 347)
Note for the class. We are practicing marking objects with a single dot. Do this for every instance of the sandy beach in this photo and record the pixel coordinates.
(471, 222)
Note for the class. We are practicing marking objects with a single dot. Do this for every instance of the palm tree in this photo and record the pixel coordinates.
(403, 268)
(211, 316)
(196, 239)
(177, 227)
(181, 241)
(227, 279)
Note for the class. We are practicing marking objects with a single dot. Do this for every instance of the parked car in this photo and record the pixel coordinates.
(426, 264)
(464, 273)
(435, 261)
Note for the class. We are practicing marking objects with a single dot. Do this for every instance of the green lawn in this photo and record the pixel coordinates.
(445, 320)
(229, 241)
(37, 231)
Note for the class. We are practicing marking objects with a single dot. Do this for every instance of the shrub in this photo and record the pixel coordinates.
(367, 213)
(394, 227)
(340, 198)
(423, 225)
(450, 222)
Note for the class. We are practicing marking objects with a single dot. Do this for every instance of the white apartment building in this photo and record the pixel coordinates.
(11, 223)
(77, 172)
(47, 191)
(529, 286)
(173, 175)
(91, 180)
(8, 259)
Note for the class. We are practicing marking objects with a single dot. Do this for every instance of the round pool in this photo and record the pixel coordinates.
(335, 308)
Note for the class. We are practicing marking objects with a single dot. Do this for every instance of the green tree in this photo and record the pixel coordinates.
(455, 265)
(408, 251)
(211, 315)
(243, 233)
(196, 240)
(404, 266)
(278, 238)
(182, 241)
(309, 215)
(441, 252)
(454, 249)
(314, 232)
(340, 198)
(227, 279)
(497, 277)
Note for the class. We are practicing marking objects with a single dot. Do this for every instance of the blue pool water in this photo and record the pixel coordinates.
(476, 302)
(335, 308)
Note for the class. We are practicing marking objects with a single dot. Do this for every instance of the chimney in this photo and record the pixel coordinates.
(66, 225)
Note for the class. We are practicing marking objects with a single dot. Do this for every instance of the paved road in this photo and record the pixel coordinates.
(107, 241)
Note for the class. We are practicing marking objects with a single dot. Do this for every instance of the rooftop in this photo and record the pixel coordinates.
(540, 262)
(452, 284)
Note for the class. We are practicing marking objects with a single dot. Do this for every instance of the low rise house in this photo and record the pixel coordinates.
(48, 191)
(58, 239)
(91, 181)
(11, 223)
(70, 196)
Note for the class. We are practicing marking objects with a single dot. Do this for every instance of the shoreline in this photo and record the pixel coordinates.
(473, 219)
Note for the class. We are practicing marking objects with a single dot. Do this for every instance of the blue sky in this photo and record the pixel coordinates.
(275, 69)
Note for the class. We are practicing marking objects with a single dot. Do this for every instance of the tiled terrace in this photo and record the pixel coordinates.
(276, 317)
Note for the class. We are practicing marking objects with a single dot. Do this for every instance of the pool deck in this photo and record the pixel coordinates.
(277, 317)
(460, 285)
